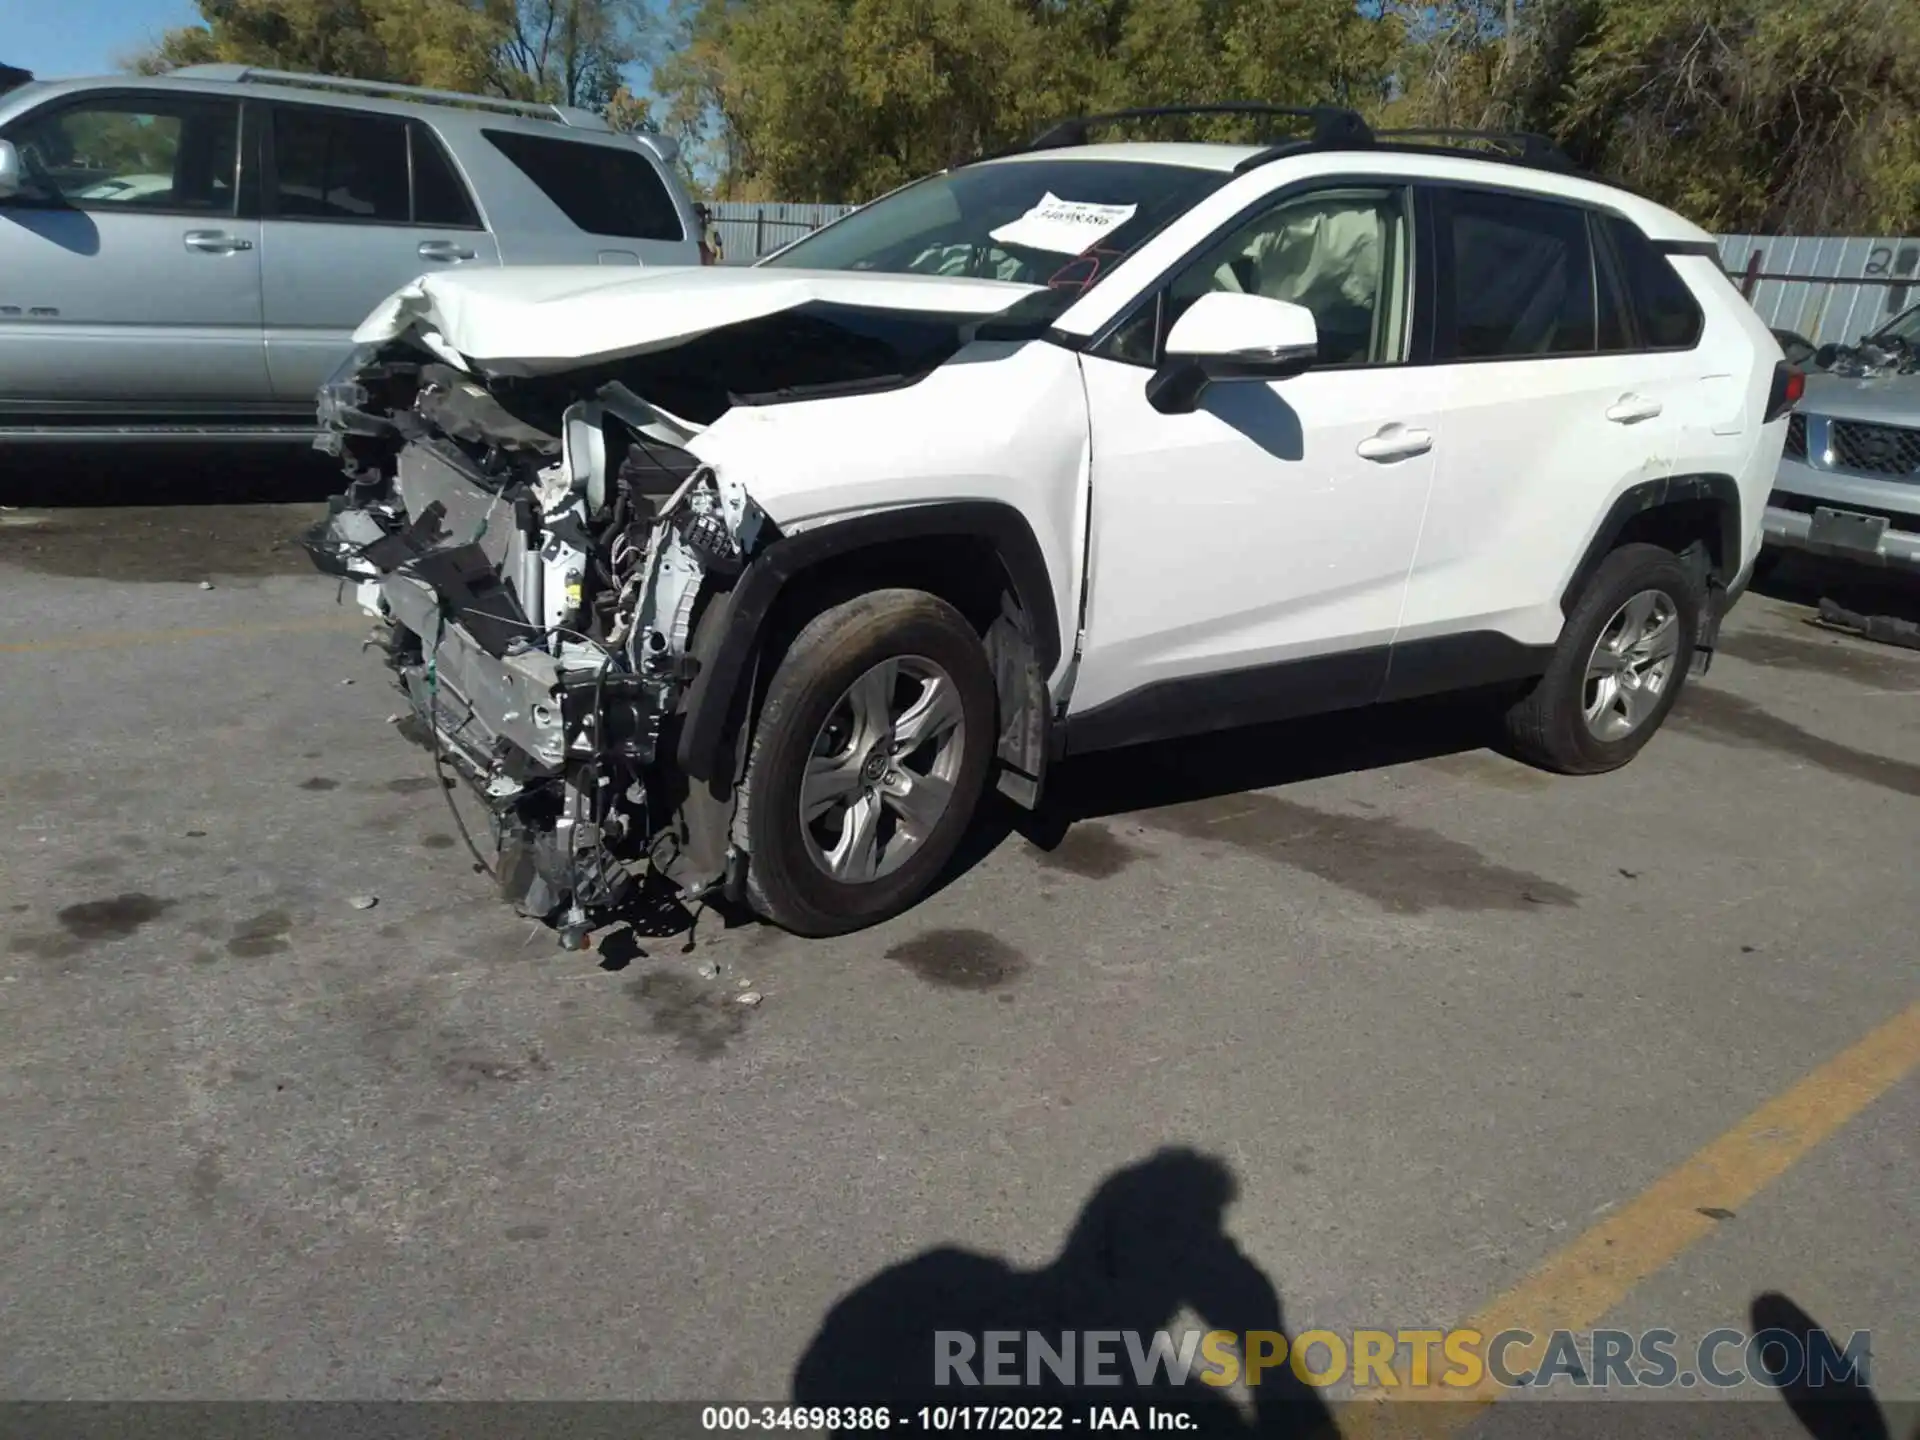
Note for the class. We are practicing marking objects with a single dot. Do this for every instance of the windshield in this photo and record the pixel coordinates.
(1905, 327)
(1060, 223)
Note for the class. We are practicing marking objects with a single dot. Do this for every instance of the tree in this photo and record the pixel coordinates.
(843, 99)
(1752, 116)
(1743, 114)
(571, 51)
(568, 51)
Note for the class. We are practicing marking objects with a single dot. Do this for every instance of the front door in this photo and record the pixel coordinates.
(128, 281)
(1249, 559)
(357, 205)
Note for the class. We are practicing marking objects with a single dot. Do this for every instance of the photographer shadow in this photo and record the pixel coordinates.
(1838, 1408)
(1148, 1245)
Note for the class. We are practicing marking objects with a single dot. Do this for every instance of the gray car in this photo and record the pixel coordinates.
(186, 256)
(1849, 482)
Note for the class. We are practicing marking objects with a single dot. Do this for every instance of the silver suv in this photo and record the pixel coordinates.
(1849, 483)
(187, 255)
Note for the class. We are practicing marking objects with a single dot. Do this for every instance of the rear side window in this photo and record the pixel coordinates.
(1664, 309)
(335, 165)
(1515, 278)
(603, 189)
(439, 196)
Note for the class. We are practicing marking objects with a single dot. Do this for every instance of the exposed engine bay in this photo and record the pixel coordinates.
(538, 563)
(547, 513)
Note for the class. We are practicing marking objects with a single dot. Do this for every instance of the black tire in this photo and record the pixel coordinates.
(785, 883)
(1548, 726)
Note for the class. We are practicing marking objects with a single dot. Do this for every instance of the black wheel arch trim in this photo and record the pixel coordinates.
(1650, 495)
(724, 662)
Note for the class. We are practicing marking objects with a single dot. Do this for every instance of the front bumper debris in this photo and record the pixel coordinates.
(537, 577)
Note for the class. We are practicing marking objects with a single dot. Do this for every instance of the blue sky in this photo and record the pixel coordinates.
(83, 37)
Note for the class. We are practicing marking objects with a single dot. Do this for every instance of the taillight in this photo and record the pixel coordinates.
(1789, 384)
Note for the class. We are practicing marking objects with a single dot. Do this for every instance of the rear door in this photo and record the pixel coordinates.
(355, 205)
(129, 275)
(1553, 407)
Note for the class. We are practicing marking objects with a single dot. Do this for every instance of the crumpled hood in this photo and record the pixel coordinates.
(1894, 399)
(539, 319)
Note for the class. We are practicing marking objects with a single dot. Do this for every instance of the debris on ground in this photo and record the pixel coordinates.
(707, 970)
(1887, 629)
(206, 584)
(750, 997)
(364, 902)
(347, 681)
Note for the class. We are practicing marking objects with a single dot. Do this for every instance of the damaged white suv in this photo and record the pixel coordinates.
(754, 579)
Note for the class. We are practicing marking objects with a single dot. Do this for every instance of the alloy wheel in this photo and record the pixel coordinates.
(881, 770)
(1631, 665)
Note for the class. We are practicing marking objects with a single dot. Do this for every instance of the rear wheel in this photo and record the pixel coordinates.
(868, 759)
(1618, 668)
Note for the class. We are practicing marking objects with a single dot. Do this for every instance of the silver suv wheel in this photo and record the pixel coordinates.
(881, 770)
(1631, 665)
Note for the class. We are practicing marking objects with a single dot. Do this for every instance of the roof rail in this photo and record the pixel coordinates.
(1531, 149)
(1332, 124)
(254, 75)
(1517, 147)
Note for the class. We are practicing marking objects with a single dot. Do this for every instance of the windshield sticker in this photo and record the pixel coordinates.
(1064, 227)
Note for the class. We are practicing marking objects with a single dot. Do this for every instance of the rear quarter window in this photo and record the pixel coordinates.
(1667, 315)
(603, 189)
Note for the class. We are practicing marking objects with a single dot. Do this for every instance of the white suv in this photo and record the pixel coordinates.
(753, 579)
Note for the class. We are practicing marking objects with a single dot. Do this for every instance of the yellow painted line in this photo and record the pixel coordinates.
(133, 639)
(1575, 1288)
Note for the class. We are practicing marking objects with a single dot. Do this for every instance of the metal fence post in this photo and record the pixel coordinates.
(759, 233)
(1751, 282)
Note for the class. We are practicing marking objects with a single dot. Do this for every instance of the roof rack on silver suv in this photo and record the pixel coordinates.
(534, 109)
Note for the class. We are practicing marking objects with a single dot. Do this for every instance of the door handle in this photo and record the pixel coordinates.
(1631, 408)
(214, 242)
(443, 250)
(1394, 442)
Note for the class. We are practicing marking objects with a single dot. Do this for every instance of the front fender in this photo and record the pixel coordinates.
(1002, 422)
(729, 640)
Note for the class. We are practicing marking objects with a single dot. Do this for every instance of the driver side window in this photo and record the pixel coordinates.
(1341, 253)
(164, 154)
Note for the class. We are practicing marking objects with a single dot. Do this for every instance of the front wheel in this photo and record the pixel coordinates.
(868, 759)
(1618, 668)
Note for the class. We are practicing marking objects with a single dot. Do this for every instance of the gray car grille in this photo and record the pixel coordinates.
(1797, 436)
(1873, 449)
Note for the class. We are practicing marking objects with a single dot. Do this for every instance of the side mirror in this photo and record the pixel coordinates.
(1227, 336)
(10, 169)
